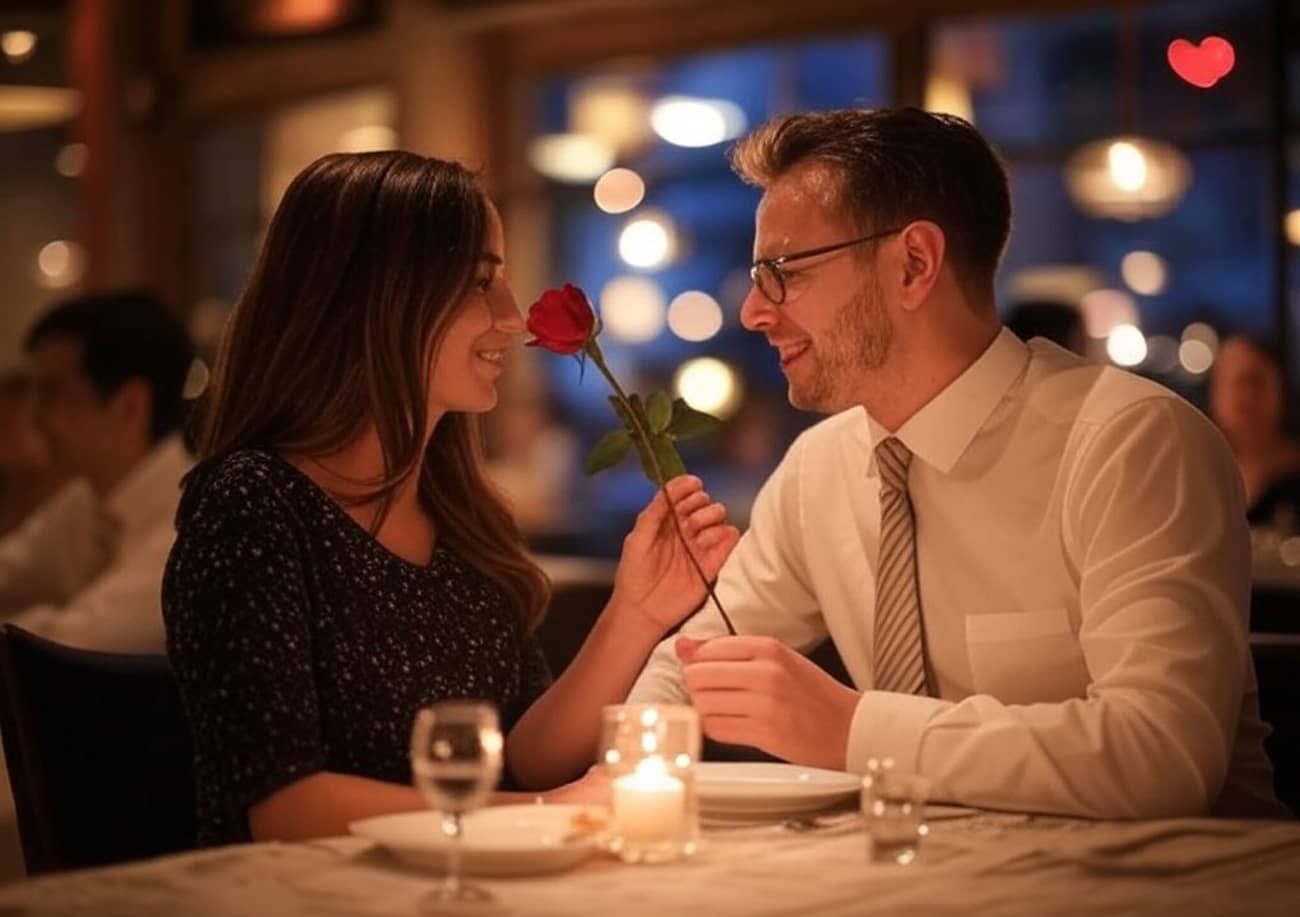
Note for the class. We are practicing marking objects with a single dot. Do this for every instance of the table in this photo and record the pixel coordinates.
(986, 863)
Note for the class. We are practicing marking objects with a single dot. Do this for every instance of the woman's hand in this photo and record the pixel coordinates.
(592, 788)
(655, 577)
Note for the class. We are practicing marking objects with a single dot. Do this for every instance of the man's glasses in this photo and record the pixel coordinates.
(769, 278)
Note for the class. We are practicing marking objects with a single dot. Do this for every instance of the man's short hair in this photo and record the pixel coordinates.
(125, 335)
(898, 165)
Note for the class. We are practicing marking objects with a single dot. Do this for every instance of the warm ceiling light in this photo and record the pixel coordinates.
(70, 161)
(708, 385)
(694, 316)
(18, 45)
(649, 241)
(60, 264)
(632, 309)
(1126, 345)
(1144, 272)
(1127, 178)
(687, 121)
(618, 191)
(1196, 356)
(25, 108)
(575, 158)
(612, 109)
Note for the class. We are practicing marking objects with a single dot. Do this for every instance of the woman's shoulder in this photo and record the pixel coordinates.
(246, 483)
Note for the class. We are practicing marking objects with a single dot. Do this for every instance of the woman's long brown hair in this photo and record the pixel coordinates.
(363, 264)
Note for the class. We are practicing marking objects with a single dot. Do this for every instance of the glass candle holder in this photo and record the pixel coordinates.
(649, 752)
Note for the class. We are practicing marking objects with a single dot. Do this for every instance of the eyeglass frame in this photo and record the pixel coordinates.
(775, 264)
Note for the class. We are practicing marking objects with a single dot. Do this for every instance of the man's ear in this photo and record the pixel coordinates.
(923, 250)
(132, 406)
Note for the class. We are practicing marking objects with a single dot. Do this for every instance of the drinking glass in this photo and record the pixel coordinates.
(455, 764)
(893, 807)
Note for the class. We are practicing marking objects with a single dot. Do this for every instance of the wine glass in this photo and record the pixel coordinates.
(455, 763)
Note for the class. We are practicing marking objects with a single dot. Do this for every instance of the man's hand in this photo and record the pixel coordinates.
(757, 691)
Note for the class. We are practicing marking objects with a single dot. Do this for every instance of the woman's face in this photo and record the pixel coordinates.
(1245, 392)
(484, 324)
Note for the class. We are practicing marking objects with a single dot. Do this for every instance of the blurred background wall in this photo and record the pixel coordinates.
(146, 142)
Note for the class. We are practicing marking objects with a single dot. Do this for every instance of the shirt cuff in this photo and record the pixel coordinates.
(890, 725)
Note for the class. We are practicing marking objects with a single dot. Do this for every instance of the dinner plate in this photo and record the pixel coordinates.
(519, 840)
(746, 790)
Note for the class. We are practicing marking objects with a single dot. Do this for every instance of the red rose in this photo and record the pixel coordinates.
(561, 321)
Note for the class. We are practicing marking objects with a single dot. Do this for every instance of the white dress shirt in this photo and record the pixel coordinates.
(88, 572)
(1084, 575)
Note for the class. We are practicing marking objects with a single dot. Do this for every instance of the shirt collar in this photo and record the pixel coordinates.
(939, 433)
(147, 496)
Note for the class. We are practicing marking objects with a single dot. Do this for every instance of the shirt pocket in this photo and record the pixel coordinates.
(1026, 657)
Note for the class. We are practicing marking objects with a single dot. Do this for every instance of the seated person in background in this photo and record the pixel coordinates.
(85, 568)
(341, 558)
(1058, 322)
(1036, 569)
(26, 478)
(1248, 401)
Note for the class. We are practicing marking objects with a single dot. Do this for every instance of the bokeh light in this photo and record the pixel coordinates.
(632, 308)
(692, 122)
(1126, 345)
(618, 191)
(649, 241)
(694, 316)
(1144, 272)
(573, 158)
(708, 384)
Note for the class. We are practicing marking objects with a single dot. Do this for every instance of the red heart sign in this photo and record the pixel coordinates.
(1202, 65)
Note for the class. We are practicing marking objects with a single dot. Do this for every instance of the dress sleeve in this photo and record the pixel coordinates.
(239, 637)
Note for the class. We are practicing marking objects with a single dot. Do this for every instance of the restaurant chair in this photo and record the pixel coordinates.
(1277, 668)
(99, 754)
(575, 606)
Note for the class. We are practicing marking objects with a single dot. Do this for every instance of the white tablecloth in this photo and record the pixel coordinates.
(994, 864)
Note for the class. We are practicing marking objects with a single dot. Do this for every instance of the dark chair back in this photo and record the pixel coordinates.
(575, 606)
(99, 754)
(1277, 668)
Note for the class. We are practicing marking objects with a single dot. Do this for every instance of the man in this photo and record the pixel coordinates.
(85, 568)
(1035, 569)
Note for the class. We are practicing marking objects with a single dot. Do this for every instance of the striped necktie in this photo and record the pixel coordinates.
(899, 650)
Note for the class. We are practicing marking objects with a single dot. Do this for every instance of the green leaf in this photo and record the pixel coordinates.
(659, 411)
(608, 451)
(688, 423)
(670, 463)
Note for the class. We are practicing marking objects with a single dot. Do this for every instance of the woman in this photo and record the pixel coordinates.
(341, 559)
(1248, 402)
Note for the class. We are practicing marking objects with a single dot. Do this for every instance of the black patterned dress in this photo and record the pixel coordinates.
(301, 644)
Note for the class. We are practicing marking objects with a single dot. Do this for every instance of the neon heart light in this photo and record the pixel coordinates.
(1202, 65)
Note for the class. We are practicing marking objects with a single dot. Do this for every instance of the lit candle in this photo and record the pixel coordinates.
(649, 803)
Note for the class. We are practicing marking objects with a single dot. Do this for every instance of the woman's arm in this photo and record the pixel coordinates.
(555, 740)
(655, 588)
(325, 803)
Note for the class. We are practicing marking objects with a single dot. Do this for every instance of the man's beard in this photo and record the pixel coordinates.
(860, 340)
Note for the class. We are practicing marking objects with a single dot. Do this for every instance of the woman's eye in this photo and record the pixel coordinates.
(484, 283)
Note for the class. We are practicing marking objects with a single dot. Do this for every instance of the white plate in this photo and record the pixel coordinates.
(518, 840)
(757, 789)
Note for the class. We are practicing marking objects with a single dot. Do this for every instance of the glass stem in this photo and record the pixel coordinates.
(451, 828)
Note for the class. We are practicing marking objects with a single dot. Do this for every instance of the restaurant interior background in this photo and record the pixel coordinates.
(146, 143)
